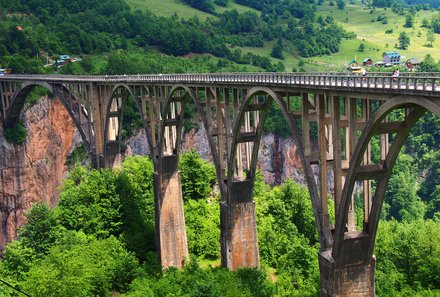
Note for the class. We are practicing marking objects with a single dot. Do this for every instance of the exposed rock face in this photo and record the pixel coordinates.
(278, 160)
(277, 157)
(33, 172)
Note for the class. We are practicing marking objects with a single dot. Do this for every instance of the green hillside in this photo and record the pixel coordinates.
(170, 7)
(355, 17)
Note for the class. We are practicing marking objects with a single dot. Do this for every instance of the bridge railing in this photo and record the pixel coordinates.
(387, 81)
(417, 81)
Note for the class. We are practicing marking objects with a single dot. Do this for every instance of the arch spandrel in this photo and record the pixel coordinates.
(61, 92)
(416, 107)
(19, 99)
(172, 120)
(115, 110)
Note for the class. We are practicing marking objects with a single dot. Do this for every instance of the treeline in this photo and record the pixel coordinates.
(431, 3)
(35, 30)
(425, 4)
(296, 8)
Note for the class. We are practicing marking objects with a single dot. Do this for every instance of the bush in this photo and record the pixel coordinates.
(198, 176)
(17, 134)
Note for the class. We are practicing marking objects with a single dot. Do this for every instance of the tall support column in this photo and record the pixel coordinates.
(98, 115)
(239, 241)
(322, 145)
(368, 197)
(305, 108)
(351, 132)
(337, 150)
(171, 242)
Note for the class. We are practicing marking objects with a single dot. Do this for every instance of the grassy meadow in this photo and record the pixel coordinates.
(170, 7)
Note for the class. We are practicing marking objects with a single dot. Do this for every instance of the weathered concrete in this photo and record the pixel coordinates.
(171, 239)
(239, 238)
(348, 281)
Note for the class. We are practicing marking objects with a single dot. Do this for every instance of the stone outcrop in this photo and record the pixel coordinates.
(277, 157)
(33, 172)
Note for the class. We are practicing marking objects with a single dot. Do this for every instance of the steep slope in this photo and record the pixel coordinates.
(33, 172)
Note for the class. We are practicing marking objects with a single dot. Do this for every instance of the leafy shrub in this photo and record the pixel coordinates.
(198, 176)
(17, 134)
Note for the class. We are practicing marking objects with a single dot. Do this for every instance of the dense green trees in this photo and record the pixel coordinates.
(429, 65)
(90, 202)
(409, 21)
(106, 219)
(407, 258)
(97, 27)
(49, 260)
(198, 176)
(194, 281)
(135, 185)
(435, 24)
(287, 237)
(403, 202)
(203, 5)
(202, 208)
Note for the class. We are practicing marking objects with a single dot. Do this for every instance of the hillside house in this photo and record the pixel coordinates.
(64, 59)
(353, 63)
(391, 58)
(367, 62)
(412, 63)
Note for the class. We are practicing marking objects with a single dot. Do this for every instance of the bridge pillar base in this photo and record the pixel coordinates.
(349, 281)
(171, 241)
(239, 241)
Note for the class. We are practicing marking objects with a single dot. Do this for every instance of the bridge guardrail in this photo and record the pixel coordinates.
(417, 81)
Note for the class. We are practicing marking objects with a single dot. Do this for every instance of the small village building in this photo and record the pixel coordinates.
(392, 58)
(353, 63)
(64, 59)
(412, 63)
(367, 62)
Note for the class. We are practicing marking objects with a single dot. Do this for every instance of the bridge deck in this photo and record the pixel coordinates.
(421, 84)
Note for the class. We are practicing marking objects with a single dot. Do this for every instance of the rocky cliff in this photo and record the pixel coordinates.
(277, 158)
(33, 172)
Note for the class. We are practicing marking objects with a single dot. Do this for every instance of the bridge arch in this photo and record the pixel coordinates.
(19, 100)
(173, 120)
(61, 92)
(248, 131)
(415, 107)
(114, 114)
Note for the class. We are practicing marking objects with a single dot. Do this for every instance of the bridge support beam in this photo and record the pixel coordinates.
(349, 280)
(239, 241)
(171, 242)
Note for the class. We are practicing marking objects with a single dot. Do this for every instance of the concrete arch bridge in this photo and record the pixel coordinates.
(340, 113)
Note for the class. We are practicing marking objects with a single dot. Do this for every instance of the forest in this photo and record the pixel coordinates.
(106, 219)
(31, 31)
